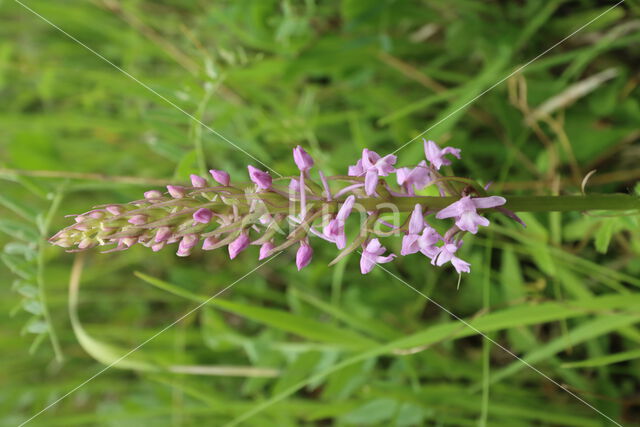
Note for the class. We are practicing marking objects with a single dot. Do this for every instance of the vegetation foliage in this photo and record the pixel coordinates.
(325, 345)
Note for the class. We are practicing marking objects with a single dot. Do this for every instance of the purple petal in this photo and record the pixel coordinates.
(416, 223)
(385, 259)
(409, 244)
(384, 166)
(488, 202)
(346, 208)
(453, 210)
(371, 182)
(356, 170)
(402, 174)
(366, 262)
(460, 265)
(450, 150)
(374, 247)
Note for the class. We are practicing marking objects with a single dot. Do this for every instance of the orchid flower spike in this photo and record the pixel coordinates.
(435, 155)
(232, 214)
(464, 211)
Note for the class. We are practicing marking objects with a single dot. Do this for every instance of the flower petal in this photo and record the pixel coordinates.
(454, 209)
(488, 202)
(370, 182)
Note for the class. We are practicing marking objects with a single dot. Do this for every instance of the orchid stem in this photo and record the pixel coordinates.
(616, 202)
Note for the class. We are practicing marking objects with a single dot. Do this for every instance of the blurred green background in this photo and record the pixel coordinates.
(334, 347)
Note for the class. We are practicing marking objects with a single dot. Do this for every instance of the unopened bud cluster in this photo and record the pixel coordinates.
(216, 212)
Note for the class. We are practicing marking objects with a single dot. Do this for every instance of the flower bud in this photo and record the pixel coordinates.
(162, 234)
(115, 209)
(95, 214)
(265, 250)
(260, 178)
(186, 244)
(209, 243)
(138, 220)
(302, 158)
(202, 215)
(238, 245)
(152, 194)
(129, 241)
(303, 256)
(220, 177)
(176, 191)
(86, 243)
(198, 181)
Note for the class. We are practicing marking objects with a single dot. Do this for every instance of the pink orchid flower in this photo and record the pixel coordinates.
(465, 211)
(372, 255)
(435, 155)
(446, 254)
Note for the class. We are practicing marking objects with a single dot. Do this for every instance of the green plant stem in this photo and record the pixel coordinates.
(43, 244)
(519, 203)
(486, 343)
